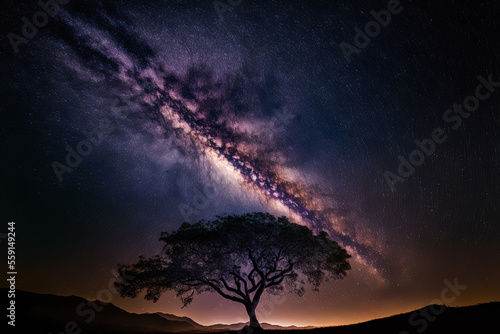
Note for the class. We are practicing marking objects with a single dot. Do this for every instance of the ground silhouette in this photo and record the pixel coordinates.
(42, 313)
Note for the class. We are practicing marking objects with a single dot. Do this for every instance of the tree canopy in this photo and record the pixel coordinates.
(239, 257)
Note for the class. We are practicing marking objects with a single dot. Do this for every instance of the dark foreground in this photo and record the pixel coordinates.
(37, 313)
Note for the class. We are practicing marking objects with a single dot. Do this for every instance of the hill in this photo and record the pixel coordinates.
(477, 319)
(45, 313)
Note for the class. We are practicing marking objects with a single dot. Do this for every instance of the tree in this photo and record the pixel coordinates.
(239, 257)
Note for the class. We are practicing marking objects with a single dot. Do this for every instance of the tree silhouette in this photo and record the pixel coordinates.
(239, 257)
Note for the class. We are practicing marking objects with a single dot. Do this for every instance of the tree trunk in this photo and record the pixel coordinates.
(254, 323)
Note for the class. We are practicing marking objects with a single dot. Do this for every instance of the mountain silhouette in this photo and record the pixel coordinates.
(226, 327)
(50, 313)
(37, 313)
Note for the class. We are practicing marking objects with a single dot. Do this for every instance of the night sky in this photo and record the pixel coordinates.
(195, 111)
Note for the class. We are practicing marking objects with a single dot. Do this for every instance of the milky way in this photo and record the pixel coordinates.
(193, 107)
(265, 100)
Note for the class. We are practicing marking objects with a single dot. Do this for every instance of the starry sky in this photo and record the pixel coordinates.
(183, 110)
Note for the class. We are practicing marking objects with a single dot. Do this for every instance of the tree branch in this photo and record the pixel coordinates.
(190, 284)
(250, 277)
(275, 282)
(276, 261)
(260, 284)
(245, 285)
(222, 293)
(256, 265)
(229, 288)
(281, 272)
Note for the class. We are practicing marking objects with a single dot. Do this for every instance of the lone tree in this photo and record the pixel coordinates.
(239, 257)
